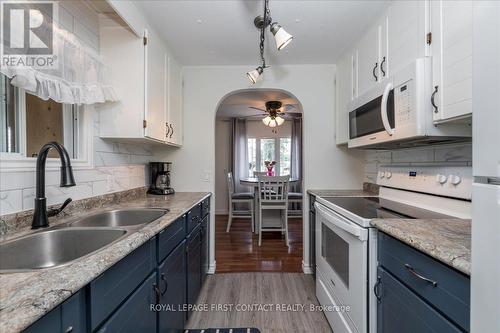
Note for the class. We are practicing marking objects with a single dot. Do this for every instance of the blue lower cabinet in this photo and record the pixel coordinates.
(136, 314)
(400, 310)
(172, 285)
(68, 317)
(205, 234)
(112, 287)
(193, 257)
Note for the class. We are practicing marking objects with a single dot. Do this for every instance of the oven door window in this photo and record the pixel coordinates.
(335, 251)
(367, 120)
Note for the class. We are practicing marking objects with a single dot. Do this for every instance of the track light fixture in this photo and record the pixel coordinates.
(255, 74)
(281, 37)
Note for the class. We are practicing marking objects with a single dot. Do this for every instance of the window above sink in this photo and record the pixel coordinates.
(27, 122)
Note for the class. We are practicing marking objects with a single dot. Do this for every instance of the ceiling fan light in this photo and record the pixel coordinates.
(267, 120)
(281, 37)
(280, 120)
(273, 123)
(255, 74)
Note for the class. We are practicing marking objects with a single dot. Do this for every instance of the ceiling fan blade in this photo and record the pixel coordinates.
(289, 107)
(253, 107)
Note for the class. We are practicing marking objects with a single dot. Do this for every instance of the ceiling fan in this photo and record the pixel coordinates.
(274, 113)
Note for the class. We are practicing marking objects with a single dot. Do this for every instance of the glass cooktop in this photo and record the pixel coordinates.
(374, 207)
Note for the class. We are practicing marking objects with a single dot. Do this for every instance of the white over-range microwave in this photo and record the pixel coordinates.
(397, 113)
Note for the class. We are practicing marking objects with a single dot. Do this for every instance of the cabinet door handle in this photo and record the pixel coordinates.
(420, 276)
(172, 132)
(164, 279)
(376, 289)
(432, 99)
(382, 67)
(168, 130)
(373, 72)
(157, 293)
(69, 329)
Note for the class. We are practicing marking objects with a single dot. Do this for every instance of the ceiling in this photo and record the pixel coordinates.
(210, 32)
(237, 104)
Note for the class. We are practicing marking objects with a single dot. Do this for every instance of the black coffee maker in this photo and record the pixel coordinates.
(160, 178)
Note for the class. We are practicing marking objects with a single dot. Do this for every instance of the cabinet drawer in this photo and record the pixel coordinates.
(451, 292)
(400, 310)
(193, 217)
(135, 314)
(112, 287)
(170, 237)
(205, 207)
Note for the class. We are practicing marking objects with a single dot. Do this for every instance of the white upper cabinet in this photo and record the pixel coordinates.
(147, 80)
(407, 31)
(368, 60)
(345, 85)
(155, 88)
(451, 50)
(174, 108)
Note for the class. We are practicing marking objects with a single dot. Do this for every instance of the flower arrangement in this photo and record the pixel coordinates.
(270, 165)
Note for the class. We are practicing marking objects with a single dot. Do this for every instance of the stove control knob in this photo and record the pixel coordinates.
(441, 179)
(455, 180)
(381, 174)
(388, 174)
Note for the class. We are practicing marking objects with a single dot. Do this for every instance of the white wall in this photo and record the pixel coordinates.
(325, 165)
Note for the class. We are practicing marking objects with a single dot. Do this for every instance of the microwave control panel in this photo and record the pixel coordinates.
(403, 101)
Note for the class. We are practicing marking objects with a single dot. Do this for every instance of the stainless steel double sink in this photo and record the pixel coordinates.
(62, 244)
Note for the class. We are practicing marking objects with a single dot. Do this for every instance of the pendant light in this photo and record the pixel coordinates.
(255, 74)
(281, 37)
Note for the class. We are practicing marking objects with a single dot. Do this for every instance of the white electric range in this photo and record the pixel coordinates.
(346, 244)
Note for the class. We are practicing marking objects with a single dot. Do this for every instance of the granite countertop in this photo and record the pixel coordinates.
(342, 193)
(27, 296)
(447, 240)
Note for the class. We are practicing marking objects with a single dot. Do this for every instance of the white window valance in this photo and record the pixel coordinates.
(79, 78)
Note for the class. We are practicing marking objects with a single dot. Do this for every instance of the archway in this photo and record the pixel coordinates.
(237, 250)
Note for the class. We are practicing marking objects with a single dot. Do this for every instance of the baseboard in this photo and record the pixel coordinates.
(211, 268)
(307, 269)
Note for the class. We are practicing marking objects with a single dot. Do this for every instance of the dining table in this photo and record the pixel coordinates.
(254, 182)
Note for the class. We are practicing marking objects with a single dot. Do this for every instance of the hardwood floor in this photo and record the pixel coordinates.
(238, 250)
(270, 289)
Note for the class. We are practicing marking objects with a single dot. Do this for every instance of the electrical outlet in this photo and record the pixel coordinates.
(206, 176)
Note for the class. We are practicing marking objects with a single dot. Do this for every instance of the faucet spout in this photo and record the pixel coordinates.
(40, 219)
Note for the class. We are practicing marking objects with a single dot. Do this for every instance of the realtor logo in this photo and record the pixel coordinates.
(28, 34)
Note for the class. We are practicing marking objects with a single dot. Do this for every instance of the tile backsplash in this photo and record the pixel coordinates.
(18, 188)
(457, 153)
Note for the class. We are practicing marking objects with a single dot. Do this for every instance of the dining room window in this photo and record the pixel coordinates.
(269, 149)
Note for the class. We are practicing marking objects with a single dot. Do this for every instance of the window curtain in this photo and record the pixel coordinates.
(239, 156)
(79, 78)
(296, 155)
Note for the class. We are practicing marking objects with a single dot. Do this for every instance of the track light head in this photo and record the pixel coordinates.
(255, 74)
(281, 37)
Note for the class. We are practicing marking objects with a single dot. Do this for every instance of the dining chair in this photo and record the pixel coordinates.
(295, 199)
(274, 199)
(239, 198)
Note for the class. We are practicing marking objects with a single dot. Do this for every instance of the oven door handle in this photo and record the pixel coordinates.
(347, 226)
(383, 109)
